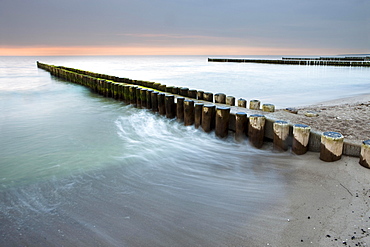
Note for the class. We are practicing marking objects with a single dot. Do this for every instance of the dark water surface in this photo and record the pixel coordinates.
(77, 169)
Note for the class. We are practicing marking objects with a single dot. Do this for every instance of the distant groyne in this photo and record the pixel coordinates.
(216, 112)
(322, 61)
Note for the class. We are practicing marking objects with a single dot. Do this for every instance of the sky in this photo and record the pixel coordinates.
(184, 27)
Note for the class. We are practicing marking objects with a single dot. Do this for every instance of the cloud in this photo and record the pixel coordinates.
(316, 24)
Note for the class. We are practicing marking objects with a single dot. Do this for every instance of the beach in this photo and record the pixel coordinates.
(330, 206)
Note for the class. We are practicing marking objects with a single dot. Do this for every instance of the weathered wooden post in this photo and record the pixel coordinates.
(222, 121)
(268, 107)
(143, 92)
(281, 134)
(169, 89)
(301, 136)
(156, 85)
(170, 106)
(132, 91)
(220, 98)
(161, 104)
(138, 97)
(100, 86)
(162, 87)
(241, 123)
(200, 95)
(208, 117)
(126, 92)
(154, 97)
(254, 104)
(230, 100)
(180, 109)
(331, 147)
(192, 93)
(109, 89)
(184, 91)
(242, 103)
(365, 154)
(175, 90)
(188, 112)
(198, 109)
(121, 91)
(256, 129)
(208, 96)
(150, 84)
(115, 90)
(149, 99)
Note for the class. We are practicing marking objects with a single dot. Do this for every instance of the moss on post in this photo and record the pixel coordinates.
(254, 104)
(230, 100)
(242, 103)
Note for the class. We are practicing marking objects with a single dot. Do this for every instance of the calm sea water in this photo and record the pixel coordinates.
(80, 169)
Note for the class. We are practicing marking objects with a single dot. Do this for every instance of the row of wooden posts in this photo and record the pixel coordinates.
(203, 113)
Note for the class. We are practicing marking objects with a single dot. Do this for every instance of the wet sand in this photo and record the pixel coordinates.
(329, 205)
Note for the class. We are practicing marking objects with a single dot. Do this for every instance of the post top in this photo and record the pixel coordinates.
(367, 142)
(241, 113)
(257, 115)
(301, 126)
(223, 108)
(281, 122)
(332, 134)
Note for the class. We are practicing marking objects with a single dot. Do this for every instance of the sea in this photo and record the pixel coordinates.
(79, 169)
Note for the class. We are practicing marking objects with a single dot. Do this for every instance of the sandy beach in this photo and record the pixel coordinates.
(330, 205)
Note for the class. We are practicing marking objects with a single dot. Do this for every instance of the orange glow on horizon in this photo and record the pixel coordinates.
(183, 50)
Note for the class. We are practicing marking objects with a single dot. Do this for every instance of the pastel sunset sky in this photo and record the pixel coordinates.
(184, 27)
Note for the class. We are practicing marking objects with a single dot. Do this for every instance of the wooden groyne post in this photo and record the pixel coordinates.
(281, 135)
(365, 154)
(256, 129)
(222, 121)
(301, 135)
(331, 146)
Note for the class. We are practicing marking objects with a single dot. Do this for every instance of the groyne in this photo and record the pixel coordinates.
(216, 112)
(322, 61)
